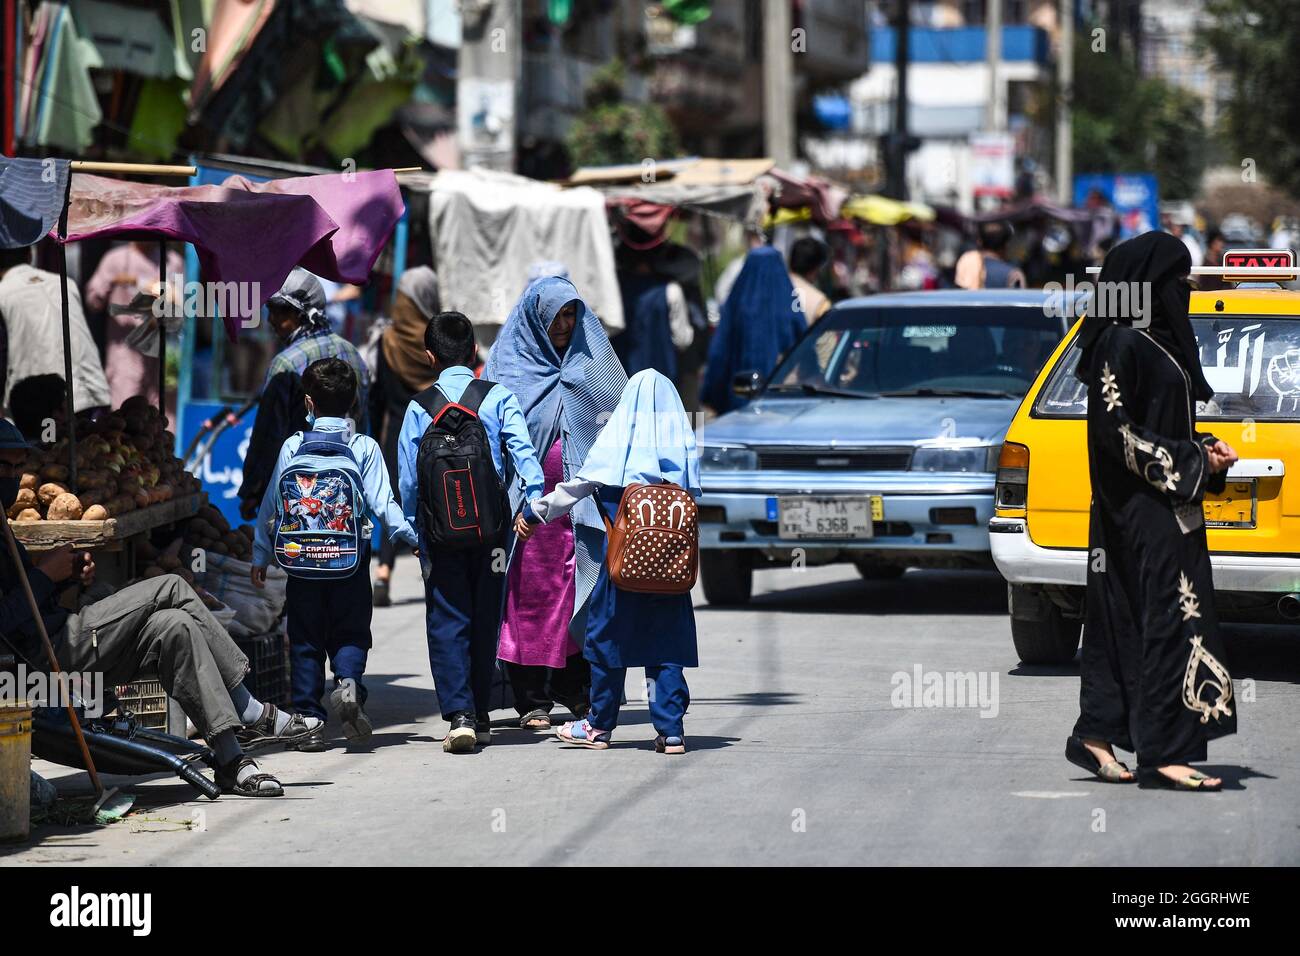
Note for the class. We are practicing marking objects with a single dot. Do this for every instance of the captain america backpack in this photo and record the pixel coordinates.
(320, 514)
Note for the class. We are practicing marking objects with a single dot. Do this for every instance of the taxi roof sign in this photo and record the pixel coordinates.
(1246, 265)
(1259, 265)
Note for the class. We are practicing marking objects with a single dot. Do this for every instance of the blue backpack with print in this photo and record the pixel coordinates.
(320, 510)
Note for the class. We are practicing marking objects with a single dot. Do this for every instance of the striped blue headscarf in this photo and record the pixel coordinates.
(569, 396)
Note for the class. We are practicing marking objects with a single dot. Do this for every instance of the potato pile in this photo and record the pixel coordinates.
(124, 462)
(210, 530)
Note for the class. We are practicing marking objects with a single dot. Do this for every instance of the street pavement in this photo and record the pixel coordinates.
(798, 755)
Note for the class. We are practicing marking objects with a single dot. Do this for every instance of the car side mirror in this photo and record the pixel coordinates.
(746, 384)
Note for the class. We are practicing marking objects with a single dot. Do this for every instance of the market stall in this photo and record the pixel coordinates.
(108, 481)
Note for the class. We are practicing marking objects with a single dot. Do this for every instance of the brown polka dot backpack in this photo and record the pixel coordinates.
(654, 540)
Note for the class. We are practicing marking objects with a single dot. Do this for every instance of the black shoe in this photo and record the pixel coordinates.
(313, 743)
(461, 737)
(483, 728)
(379, 595)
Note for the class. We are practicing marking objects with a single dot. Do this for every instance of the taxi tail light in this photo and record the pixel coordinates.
(1012, 487)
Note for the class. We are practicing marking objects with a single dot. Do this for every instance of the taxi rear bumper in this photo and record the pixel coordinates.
(1021, 561)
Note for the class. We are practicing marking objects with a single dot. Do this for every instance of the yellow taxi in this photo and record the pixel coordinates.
(1249, 337)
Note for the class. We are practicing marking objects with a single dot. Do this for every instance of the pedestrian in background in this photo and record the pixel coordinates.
(986, 267)
(297, 316)
(655, 313)
(401, 372)
(760, 321)
(31, 332)
(1153, 678)
(648, 440)
(126, 270)
(808, 256)
(553, 354)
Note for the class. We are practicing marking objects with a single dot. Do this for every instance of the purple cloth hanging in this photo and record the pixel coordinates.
(334, 226)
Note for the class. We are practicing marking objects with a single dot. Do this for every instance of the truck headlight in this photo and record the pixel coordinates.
(724, 458)
(971, 458)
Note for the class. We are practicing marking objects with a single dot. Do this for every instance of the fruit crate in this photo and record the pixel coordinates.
(268, 674)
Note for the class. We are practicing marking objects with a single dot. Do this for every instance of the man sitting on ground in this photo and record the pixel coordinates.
(156, 623)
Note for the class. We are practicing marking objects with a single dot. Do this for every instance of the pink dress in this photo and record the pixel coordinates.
(540, 589)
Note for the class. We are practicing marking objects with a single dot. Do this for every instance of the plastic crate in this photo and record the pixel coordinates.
(268, 674)
(146, 699)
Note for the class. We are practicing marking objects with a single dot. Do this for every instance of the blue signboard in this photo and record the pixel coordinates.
(1135, 197)
(222, 471)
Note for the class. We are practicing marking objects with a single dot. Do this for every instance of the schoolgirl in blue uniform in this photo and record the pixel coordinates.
(647, 440)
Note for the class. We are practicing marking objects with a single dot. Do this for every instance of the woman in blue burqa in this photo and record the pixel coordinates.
(554, 355)
(760, 320)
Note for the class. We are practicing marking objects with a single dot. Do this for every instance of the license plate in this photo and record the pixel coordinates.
(832, 517)
(1234, 507)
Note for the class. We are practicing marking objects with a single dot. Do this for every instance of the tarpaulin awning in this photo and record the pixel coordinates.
(823, 198)
(31, 198)
(1040, 207)
(488, 228)
(882, 211)
(334, 226)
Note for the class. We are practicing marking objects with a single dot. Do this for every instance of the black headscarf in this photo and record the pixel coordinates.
(1162, 260)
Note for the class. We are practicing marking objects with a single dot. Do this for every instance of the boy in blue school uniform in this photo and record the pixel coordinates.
(331, 617)
(463, 586)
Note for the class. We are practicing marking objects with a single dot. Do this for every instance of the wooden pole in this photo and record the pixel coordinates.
(138, 169)
(70, 410)
(50, 656)
(162, 329)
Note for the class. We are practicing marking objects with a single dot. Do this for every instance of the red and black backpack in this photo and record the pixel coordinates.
(462, 503)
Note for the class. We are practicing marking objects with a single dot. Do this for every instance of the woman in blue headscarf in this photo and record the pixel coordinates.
(553, 354)
(761, 319)
(648, 440)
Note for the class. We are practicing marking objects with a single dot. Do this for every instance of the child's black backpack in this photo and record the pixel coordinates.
(462, 500)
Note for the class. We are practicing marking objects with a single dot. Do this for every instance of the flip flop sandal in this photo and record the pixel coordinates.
(251, 785)
(582, 734)
(1194, 782)
(526, 722)
(1081, 756)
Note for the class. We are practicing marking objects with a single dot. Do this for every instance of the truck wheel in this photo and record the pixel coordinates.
(878, 570)
(1041, 633)
(727, 577)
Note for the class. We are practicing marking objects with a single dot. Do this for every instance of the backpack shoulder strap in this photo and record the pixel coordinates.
(334, 442)
(432, 400)
(474, 394)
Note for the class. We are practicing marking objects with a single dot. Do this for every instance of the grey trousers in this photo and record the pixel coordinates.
(160, 624)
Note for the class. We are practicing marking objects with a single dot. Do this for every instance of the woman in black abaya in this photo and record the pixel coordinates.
(1153, 677)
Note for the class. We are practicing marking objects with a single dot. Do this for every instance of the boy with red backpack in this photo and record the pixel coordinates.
(451, 479)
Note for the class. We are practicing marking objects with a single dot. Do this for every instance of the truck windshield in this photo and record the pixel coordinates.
(979, 352)
(1252, 362)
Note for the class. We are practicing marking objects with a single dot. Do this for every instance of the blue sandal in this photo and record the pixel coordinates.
(581, 733)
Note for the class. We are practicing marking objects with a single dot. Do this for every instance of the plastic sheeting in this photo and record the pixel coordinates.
(488, 228)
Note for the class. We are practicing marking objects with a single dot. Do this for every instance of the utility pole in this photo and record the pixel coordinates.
(994, 112)
(898, 141)
(778, 83)
(489, 66)
(1064, 106)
